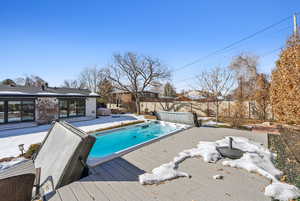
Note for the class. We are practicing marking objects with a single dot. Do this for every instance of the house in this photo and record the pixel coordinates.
(125, 100)
(44, 104)
(124, 97)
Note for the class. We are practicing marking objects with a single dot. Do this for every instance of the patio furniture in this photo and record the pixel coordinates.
(17, 182)
(103, 111)
(62, 156)
(229, 151)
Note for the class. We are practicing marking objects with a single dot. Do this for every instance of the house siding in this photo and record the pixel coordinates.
(46, 110)
(90, 107)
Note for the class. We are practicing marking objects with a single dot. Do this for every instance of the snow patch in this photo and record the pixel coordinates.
(93, 94)
(214, 123)
(5, 165)
(162, 173)
(282, 191)
(12, 92)
(255, 159)
(254, 162)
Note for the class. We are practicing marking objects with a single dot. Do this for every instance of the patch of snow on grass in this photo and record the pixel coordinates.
(162, 173)
(282, 191)
(5, 165)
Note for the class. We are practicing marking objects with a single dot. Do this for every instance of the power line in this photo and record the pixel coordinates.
(232, 44)
(276, 31)
(263, 55)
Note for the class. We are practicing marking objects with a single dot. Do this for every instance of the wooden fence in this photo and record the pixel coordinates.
(201, 108)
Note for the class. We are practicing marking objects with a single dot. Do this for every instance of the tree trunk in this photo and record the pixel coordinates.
(137, 104)
(217, 113)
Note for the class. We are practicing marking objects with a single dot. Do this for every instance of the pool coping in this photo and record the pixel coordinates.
(97, 161)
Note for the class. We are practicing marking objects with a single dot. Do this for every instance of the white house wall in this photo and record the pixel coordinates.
(90, 107)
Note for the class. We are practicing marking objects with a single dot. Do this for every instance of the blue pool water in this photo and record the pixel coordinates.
(111, 142)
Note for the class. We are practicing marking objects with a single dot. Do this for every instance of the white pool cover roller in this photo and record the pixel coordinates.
(62, 156)
(188, 118)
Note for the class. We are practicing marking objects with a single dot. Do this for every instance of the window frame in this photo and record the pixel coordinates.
(77, 100)
(21, 110)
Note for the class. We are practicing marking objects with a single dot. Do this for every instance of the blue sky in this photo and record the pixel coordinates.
(56, 39)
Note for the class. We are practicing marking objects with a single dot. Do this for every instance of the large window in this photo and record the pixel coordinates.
(28, 110)
(16, 110)
(2, 120)
(63, 108)
(71, 107)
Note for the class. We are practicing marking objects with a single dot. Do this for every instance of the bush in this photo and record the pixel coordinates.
(285, 84)
(32, 150)
(238, 114)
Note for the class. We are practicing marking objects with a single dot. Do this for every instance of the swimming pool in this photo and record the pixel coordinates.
(110, 144)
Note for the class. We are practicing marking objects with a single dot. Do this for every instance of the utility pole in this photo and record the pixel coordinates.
(295, 24)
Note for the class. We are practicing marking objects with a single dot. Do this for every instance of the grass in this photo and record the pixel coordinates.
(32, 150)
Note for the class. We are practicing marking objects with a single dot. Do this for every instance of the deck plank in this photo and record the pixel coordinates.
(67, 194)
(133, 187)
(80, 192)
(54, 196)
(95, 192)
(118, 184)
(106, 187)
(127, 170)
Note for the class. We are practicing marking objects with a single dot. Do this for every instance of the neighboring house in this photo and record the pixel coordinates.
(196, 94)
(123, 97)
(45, 104)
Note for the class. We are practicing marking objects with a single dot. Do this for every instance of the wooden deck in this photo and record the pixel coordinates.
(117, 180)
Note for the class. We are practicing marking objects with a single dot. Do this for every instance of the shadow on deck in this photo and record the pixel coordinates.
(117, 169)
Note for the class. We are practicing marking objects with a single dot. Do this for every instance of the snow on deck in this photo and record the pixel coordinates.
(10, 139)
(118, 179)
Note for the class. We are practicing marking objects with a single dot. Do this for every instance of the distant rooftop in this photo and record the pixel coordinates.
(7, 90)
(117, 91)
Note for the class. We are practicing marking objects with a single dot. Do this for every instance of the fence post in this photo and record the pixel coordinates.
(249, 109)
(208, 112)
(229, 108)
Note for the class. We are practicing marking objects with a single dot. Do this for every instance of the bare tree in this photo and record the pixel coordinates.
(9, 82)
(217, 84)
(31, 81)
(169, 90)
(134, 74)
(105, 90)
(245, 68)
(90, 78)
(73, 84)
(262, 96)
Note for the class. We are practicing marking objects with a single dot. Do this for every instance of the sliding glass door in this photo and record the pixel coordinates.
(28, 108)
(63, 108)
(2, 116)
(16, 110)
(71, 108)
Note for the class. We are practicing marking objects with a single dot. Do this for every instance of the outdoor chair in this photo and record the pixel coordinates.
(17, 182)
